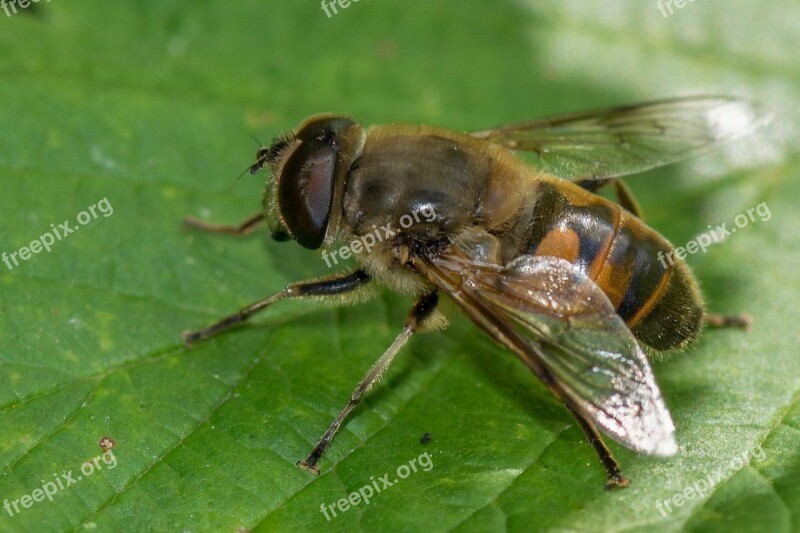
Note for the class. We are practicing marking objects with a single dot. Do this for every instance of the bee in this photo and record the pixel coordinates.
(567, 280)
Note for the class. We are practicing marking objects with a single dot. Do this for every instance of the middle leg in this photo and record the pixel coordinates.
(422, 310)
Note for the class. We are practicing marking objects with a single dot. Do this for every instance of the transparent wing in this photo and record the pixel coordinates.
(617, 141)
(561, 324)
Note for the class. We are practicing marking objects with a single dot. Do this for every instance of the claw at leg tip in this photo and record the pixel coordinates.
(617, 482)
(308, 468)
(188, 339)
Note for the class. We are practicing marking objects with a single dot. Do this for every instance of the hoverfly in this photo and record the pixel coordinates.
(565, 279)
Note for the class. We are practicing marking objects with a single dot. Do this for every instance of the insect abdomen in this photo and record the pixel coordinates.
(658, 300)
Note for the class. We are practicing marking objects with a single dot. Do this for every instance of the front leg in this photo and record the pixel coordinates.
(333, 286)
(246, 227)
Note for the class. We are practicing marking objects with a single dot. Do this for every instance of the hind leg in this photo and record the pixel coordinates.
(625, 196)
(715, 320)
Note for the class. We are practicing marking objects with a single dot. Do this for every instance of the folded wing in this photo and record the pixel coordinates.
(562, 325)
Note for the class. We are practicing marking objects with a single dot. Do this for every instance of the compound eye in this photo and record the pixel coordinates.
(305, 191)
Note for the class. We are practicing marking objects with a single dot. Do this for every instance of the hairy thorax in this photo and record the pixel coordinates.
(416, 187)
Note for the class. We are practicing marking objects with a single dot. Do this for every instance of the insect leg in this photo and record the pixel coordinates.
(240, 230)
(594, 185)
(714, 320)
(331, 286)
(613, 470)
(626, 198)
(422, 309)
(624, 194)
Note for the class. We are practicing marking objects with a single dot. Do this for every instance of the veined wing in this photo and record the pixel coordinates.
(617, 141)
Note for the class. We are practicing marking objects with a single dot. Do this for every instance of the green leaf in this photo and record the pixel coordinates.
(150, 105)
